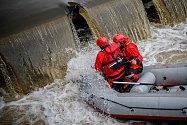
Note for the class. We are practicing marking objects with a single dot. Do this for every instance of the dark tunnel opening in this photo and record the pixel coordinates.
(4, 75)
(82, 29)
(151, 11)
(2, 80)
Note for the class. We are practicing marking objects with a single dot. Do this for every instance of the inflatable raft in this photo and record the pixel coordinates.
(153, 101)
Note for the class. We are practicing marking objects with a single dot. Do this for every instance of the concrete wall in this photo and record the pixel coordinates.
(35, 57)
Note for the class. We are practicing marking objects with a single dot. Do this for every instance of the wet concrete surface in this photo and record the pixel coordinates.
(18, 15)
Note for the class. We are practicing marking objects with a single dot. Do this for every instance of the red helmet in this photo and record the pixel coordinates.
(121, 38)
(102, 41)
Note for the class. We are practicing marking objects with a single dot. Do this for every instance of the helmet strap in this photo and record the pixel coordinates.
(103, 47)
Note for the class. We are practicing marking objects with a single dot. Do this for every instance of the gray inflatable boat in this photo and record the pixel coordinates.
(143, 101)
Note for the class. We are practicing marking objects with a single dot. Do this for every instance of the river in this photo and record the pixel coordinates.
(60, 102)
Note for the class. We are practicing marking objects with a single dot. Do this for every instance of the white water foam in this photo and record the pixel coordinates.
(60, 103)
(168, 39)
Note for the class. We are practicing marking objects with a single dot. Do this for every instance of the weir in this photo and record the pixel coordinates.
(37, 56)
(166, 12)
(38, 39)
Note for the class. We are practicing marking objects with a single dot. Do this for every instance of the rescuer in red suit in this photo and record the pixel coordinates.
(132, 55)
(108, 61)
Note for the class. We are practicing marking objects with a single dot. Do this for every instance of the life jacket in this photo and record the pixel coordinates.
(113, 62)
(130, 51)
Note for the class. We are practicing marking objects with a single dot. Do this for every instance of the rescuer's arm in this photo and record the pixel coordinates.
(135, 56)
(99, 61)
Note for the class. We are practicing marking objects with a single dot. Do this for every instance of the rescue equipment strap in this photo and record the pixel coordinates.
(118, 64)
(109, 62)
(115, 76)
(155, 84)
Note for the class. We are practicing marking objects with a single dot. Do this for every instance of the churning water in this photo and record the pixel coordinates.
(60, 102)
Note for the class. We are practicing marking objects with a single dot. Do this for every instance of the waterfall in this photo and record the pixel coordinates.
(38, 55)
(121, 16)
(171, 12)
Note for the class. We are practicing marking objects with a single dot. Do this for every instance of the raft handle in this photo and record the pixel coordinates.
(184, 111)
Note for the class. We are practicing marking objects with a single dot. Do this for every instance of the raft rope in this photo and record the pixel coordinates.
(132, 108)
(183, 110)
